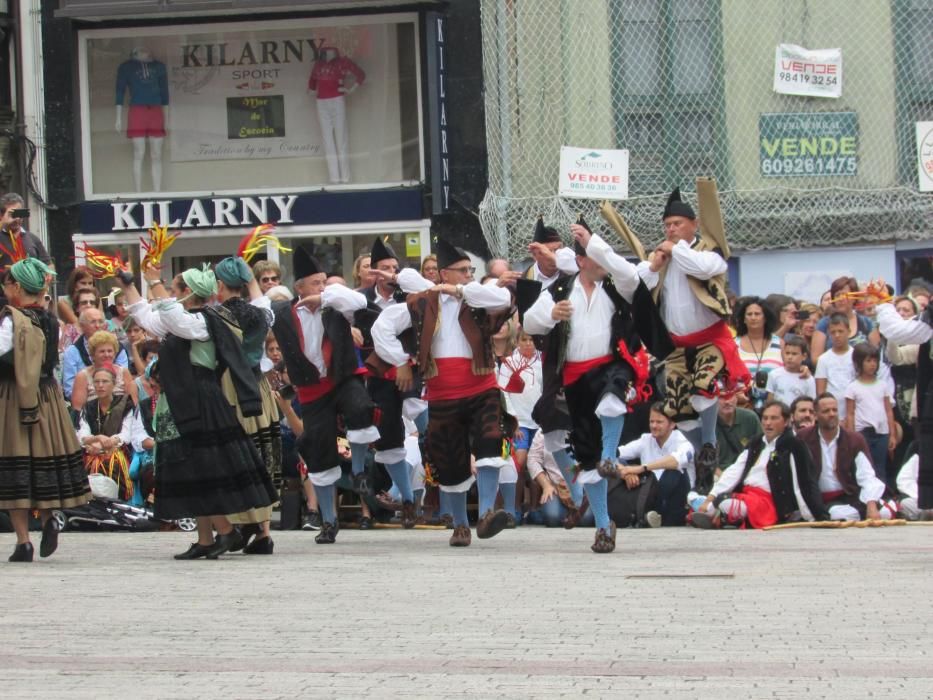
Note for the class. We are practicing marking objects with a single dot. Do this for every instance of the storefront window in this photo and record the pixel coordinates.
(284, 105)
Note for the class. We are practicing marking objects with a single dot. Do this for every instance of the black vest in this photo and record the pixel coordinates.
(301, 371)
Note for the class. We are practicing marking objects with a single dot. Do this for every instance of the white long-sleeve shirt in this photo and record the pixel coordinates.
(900, 330)
(566, 264)
(681, 310)
(757, 475)
(138, 432)
(6, 335)
(646, 450)
(168, 317)
(343, 300)
(907, 477)
(449, 340)
(125, 434)
(871, 488)
(591, 322)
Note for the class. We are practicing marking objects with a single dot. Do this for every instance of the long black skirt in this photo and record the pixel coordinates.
(215, 471)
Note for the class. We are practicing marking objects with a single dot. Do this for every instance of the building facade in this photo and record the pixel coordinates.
(335, 121)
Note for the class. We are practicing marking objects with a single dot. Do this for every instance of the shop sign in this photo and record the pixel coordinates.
(437, 109)
(808, 144)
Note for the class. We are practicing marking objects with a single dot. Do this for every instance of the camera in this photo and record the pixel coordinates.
(287, 392)
(20, 213)
(803, 315)
(761, 379)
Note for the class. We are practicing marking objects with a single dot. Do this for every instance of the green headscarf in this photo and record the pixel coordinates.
(31, 274)
(202, 282)
(233, 272)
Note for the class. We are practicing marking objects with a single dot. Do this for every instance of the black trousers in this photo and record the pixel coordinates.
(583, 396)
(459, 427)
(318, 443)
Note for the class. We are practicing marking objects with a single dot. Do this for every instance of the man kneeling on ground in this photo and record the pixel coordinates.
(773, 481)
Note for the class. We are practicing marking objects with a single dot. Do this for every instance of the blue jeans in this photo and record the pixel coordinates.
(878, 446)
(551, 514)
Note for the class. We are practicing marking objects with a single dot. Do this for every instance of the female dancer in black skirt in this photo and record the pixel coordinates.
(41, 464)
(205, 465)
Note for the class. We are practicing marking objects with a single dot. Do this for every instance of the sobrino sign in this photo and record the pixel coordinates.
(590, 173)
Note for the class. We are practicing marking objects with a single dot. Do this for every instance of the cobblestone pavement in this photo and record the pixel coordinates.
(531, 613)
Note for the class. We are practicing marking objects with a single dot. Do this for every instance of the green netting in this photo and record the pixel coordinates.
(683, 85)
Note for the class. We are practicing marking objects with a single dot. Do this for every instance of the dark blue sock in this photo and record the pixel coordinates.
(401, 477)
(326, 502)
(597, 494)
(612, 433)
(358, 453)
(487, 485)
(443, 505)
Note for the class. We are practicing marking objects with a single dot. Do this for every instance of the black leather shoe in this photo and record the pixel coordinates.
(260, 545)
(247, 532)
(23, 552)
(366, 523)
(225, 543)
(49, 542)
(195, 551)
(327, 535)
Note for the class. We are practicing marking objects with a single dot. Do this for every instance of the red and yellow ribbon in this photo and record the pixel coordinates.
(160, 240)
(256, 240)
(16, 252)
(102, 265)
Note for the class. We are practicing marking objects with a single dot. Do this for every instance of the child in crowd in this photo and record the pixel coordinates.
(834, 369)
(786, 383)
(869, 406)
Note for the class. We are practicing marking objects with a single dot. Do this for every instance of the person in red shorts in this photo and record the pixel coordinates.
(146, 81)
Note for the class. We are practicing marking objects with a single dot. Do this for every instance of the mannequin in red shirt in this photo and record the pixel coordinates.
(332, 77)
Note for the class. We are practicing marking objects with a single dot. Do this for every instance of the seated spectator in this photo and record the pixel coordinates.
(103, 348)
(555, 501)
(665, 456)
(907, 488)
(736, 429)
(859, 328)
(268, 274)
(78, 356)
(144, 355)
(792, 380)
(834, 368)
(773, 481)
(802, 413)
(105, 431)
(807, 318)
(80, 280)
(82, 299)
(848, 484)
(785, 310)
(759, 347)
(869, 411)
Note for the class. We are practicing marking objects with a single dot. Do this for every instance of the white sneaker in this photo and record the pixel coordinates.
(653, 518)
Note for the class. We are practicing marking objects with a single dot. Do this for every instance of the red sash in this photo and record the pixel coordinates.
(761, 510)
(455, 380)
(574, 370)
(719, 336)
(312, 392)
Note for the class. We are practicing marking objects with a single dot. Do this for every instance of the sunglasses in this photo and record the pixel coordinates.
(87, 302)
(268, 279)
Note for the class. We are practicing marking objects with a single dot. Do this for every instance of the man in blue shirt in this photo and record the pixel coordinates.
(77, 356)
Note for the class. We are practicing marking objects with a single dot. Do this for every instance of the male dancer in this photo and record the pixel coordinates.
(595, 346)
(314, 336)
(453, 326)
(392, 402)
(688, 275)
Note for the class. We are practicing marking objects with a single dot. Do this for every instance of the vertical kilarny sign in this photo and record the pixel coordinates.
(437, 112)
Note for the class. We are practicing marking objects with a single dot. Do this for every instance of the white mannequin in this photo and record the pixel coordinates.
(143, 55)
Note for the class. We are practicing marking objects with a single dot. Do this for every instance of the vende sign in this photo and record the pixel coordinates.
(799, 71)
(590, 173)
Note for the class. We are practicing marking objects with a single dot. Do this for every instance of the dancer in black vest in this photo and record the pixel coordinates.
(595, 345)
(313, 332)
(393, 401)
